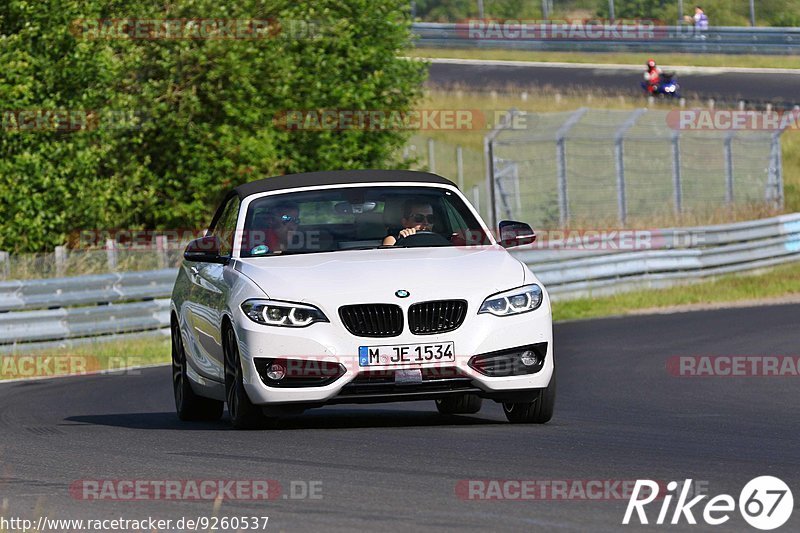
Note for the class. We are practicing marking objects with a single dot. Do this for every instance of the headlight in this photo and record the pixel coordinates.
(286, 314)
(513, 302)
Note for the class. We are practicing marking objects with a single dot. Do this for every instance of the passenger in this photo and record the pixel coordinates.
(281, 223)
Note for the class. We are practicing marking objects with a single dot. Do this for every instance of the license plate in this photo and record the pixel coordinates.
(437, 352)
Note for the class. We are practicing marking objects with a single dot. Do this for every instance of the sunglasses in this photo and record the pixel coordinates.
(289, 218)
(419, 218)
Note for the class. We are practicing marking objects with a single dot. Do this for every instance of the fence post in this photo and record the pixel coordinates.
(431, 156)
(111, 254)
(491, 184)
(161, 247)
(775, 177)
(501, 173)
(561, 169)
(622, 209)
(5, 264)
(676, 171)
(619, 153)
(728, 167)
(460, 167)
(488, 154)
(61, 260)
(561, 162)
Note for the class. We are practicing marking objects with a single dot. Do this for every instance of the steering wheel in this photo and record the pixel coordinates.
(422, 238)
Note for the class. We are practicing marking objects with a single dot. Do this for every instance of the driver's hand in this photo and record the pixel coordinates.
(407, 231)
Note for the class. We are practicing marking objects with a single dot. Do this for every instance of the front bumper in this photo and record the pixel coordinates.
(332, 343)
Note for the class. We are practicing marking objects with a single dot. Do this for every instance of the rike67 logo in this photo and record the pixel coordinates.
(765, 503)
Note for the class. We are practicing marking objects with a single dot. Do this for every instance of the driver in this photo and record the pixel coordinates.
(417, 216)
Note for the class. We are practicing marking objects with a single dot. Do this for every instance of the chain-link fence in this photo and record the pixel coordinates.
(612, 166)
(462, 163)
(77, 262)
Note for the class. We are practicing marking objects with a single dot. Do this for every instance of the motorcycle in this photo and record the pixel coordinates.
(668, 86)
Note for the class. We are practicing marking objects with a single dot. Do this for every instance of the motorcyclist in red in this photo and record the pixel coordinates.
(652, 77)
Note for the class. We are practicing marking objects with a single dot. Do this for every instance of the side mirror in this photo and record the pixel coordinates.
(205, 250)
(514, 233)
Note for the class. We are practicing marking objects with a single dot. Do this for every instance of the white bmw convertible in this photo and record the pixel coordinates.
(357, 287)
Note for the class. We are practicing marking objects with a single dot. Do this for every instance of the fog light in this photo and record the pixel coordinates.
(517, 361)
(529, 358)
(276, 372)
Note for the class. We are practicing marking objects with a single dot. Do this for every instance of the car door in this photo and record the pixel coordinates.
(209, 295)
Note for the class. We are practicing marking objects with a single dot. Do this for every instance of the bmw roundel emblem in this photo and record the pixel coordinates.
(402, 294)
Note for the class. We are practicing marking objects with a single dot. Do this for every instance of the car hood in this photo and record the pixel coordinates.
(360, 276)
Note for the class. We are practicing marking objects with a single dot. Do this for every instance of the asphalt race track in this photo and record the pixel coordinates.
(780, 88)
(619, 416)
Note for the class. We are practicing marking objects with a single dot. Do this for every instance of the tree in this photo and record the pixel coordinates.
(198, 112)
(632, 9)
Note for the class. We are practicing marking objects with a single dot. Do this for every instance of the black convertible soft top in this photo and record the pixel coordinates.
(335, 177)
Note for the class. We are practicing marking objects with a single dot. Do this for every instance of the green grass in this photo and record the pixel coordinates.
(621, 58)
(96, 356)
(776, 282)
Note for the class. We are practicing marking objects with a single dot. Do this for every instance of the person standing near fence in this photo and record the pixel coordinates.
(700, 20)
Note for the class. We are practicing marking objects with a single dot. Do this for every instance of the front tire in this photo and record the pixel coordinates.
(244, 414)
(463, 404)
(539, 411)
(188, 404)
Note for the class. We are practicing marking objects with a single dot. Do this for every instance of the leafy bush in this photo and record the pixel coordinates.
(199, 112)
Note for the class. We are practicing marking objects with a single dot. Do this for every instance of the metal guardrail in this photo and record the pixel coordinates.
(712, 250)
(718, 40)
(78, 290)
(65, 323)
(41, 314)
(45, 313)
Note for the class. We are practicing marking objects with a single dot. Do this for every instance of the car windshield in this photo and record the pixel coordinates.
(330, 220)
